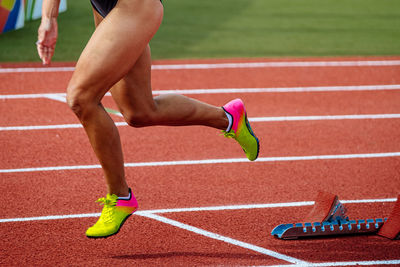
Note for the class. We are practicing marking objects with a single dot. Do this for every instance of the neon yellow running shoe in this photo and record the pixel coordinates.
(114, 214)
(240, 129)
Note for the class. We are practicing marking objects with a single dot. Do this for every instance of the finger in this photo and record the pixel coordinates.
(45, 55)
(40, 50)
(45, 52)
(48, 54)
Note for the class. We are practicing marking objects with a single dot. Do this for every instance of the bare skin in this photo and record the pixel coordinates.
(118, 57)
(48, 31)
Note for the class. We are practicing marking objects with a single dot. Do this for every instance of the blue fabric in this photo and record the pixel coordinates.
(12, 17)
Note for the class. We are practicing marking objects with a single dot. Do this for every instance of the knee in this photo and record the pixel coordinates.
(79, 102)
(140, 119)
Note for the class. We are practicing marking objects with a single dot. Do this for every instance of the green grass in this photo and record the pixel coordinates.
(239, 28)
(75, 27)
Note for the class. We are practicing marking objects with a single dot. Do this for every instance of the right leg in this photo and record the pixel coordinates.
(110, 53)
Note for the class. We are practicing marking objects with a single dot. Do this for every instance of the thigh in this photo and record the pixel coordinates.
(97, 17)
(133, 93)
(117, 43)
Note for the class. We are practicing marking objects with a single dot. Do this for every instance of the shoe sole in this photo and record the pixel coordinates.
(100, 237)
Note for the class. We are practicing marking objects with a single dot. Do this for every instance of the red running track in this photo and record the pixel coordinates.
(39, 194)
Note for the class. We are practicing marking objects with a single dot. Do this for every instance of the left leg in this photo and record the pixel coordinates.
(135, 100)
(133, 95)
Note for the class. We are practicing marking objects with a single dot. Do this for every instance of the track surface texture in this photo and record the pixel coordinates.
(328, 124)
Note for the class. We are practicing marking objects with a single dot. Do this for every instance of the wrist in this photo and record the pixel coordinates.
(48, 22)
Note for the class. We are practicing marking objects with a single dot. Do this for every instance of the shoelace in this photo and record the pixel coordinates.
(107, 202)
(108, 210)
(230, 134)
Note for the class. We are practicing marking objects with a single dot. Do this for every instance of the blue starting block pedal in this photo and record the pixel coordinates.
(329, 218)
(327, 228)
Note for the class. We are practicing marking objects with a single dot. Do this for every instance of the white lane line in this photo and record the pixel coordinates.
(57, 97)
(281, 89)
(197, 209)
(278, 64)
(237, 90)
(256, 119)
(222, 238)
(38, 69)
(210, 161)
(50, 217)
(326, 117)
(339, 263)
(267, 205)
(40, 127)
(49, 127)
(28, 96)
(359, 63)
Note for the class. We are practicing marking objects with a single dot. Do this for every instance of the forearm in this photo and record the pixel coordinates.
(50, 8)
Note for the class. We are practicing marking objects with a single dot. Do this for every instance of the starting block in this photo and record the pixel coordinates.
(328, 218)
(327, 208)
(391, 229)
(350, 227)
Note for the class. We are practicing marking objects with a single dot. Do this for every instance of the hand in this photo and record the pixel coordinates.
(47, 38)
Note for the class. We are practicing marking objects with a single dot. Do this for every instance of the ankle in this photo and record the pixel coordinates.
(228, 119)
(120, 192)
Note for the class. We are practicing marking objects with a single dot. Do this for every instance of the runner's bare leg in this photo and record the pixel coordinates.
(133, 95)
(115, 53)
(113, 49)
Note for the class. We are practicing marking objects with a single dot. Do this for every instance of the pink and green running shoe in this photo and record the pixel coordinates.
(114, 214)
(240, 129)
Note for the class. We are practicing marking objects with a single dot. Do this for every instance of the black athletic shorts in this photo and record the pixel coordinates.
(104, 6)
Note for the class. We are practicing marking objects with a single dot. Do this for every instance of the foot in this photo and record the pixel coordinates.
(240, 129)
(114, 214)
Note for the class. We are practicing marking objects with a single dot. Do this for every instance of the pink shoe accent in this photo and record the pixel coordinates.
(237, 110)
(131, 203)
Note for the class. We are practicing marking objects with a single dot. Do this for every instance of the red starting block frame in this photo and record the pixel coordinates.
(330, 219)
